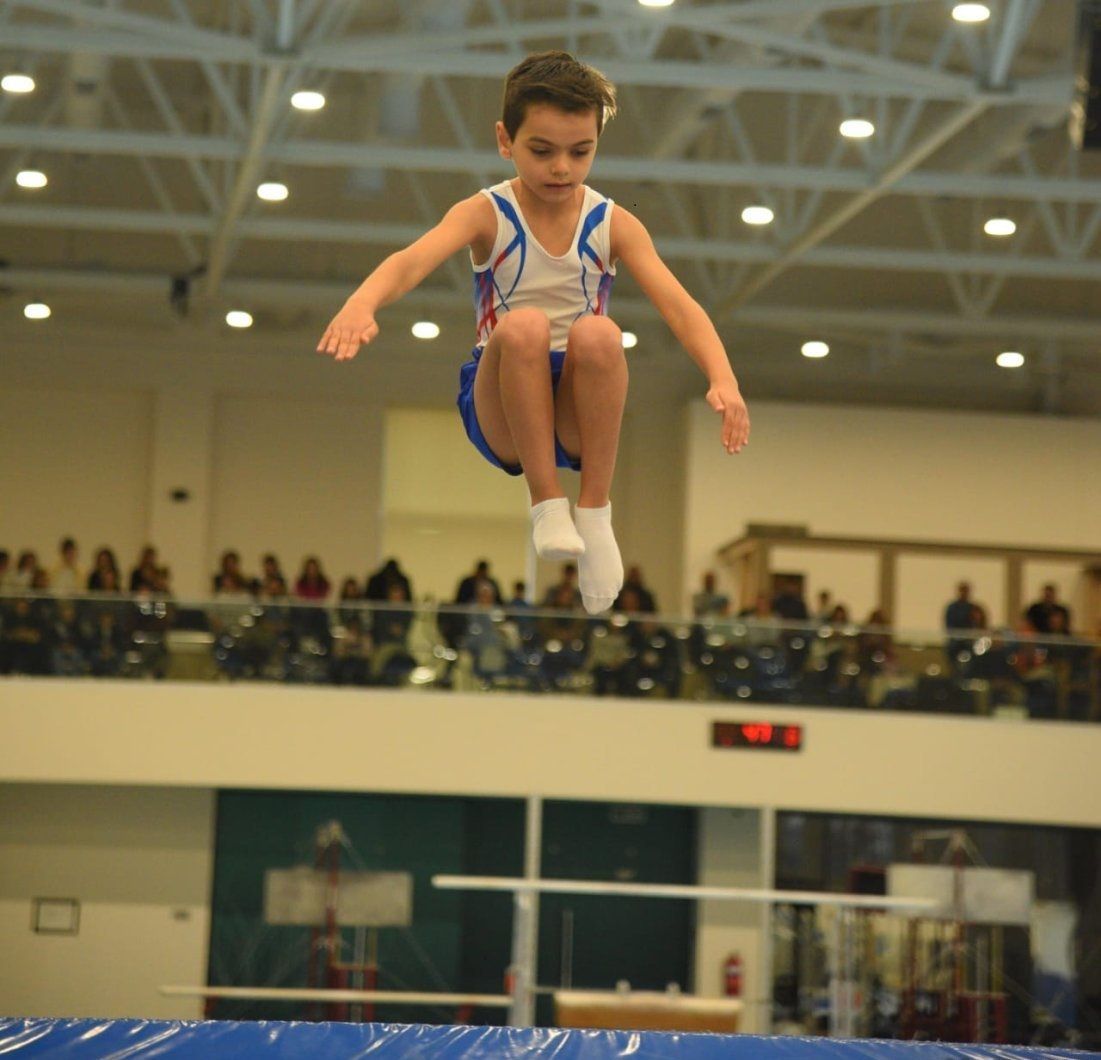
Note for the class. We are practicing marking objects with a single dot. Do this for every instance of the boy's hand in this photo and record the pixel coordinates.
(725, 398)
(352, 327)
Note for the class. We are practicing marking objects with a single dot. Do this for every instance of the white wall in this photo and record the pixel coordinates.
(139, 861)
(571, 747)
(74, 462)
(952, 476)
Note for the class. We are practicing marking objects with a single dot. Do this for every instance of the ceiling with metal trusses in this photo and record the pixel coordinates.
(155, 121)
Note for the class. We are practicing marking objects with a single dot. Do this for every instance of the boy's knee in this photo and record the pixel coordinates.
(598, 339)
(526, 329)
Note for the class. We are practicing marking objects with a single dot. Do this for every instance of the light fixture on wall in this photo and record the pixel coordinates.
(239, 318)
(36, 311)
(425, 329)
(630, 340)
(1010, 359)
(815, 349)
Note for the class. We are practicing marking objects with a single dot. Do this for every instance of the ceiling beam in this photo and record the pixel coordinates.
(788, 318)
(675, 248)
(701, 172)
(845, 213)
(395, 54)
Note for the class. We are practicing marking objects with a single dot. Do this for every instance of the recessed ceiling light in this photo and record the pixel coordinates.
(272, 191)
(36, 311)
(815, 349)
(307, 100)
(17, 83)
(856, 128)
(31, 178)
(757, 215)
(630, 340)
(1010, 359)
(970, 12)
(1000, 226)
(656, 3)
(238, 318)
(425, 329)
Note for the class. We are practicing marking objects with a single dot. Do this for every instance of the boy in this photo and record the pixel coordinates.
(547, 381)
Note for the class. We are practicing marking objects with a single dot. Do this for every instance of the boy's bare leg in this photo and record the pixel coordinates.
(591, 395)
(515, 407)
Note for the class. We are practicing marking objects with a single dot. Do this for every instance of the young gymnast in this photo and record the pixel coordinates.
(547, 380)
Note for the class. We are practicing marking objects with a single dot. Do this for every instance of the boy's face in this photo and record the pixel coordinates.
(553, 150)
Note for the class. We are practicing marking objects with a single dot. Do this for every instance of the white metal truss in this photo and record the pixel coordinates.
(715, 60)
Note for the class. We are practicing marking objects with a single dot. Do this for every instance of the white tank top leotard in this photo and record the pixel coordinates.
(519, 272)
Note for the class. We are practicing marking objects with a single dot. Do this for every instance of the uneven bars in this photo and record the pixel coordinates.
(673, 890)
(396, 997)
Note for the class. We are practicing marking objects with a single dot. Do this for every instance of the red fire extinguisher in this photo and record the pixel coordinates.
(732, 975)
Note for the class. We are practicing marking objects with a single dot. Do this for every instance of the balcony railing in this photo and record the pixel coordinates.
(1002, 673)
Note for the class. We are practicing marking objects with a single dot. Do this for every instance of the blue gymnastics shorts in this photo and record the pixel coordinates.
(465, 401)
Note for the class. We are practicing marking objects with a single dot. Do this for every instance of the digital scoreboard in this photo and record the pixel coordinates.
(757, 734)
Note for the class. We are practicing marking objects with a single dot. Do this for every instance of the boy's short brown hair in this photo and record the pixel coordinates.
(557, 78)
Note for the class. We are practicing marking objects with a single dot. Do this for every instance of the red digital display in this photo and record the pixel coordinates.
(762, 734)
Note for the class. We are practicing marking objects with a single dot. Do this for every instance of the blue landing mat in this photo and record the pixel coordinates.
(116, 1039)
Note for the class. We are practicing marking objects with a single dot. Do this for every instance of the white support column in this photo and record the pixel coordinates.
(525, 922)
(730, 855)
(183, 443)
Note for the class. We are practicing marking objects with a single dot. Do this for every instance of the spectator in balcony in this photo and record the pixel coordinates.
(518, 607)
(825, 606)
(271, 569)
(959, 613)
(390, 625)
(876, 643)
(143, 575)
(651, 663)
(467, 591)
(567, 580)
(391, 662)
(230, 579)
(25, 639)
(67, 656)
(763, 625)
(569, 624)
(104, 565)
(644, 601)
(67, 576)
(1040, 613)
(22, 579)
(390, 573)
(312, 583)
(351, 657)
(349, 600)
(788, 603)
(709, 601)
(105, 645)
(5, 570)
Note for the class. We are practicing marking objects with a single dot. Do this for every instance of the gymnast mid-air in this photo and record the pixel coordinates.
(547, 380)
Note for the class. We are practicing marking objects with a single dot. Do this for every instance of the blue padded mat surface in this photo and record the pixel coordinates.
(84, 1039)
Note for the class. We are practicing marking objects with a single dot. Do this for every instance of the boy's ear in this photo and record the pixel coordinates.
(504, 141)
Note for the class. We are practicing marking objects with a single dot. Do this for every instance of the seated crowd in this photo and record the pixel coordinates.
(370, 632)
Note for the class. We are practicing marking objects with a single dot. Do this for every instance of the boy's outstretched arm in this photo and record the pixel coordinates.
(631, 243)
(355, 324)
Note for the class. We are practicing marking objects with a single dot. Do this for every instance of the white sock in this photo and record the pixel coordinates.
(600, 569)
(553, 531)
